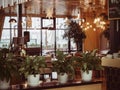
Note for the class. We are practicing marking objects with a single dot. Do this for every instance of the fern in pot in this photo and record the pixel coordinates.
(30, 68)
(87, 62)
(8, 68)
(63, 67)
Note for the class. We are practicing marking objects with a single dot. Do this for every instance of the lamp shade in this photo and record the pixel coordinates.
(12, 20)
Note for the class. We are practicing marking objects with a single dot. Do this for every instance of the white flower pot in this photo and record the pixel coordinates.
(4, 84)
(33, 81)
(63, 78)
(86, 77)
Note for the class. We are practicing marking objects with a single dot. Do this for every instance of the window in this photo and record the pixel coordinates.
(48, 36)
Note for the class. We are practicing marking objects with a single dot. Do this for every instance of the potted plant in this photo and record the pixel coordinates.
(30, 68)
(87, 62)
(8, 68)
(76, 33)
(63, 67)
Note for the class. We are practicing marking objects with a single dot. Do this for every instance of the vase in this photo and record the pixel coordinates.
(63, 78)
(4, 84)
(86, 76)
(33, 80)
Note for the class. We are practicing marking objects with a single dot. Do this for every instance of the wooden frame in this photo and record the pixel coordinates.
(113, 9)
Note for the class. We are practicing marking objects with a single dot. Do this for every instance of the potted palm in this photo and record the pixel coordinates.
(63, 67)
(30, 68)
(76, 33)
(87, 62)
(8, 68)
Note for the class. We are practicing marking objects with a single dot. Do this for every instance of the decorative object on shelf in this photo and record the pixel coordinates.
(63, 67)
(8, 68)
(76, 33)
(30, 67)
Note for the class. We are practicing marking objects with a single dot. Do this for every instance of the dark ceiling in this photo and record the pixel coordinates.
(61, 8)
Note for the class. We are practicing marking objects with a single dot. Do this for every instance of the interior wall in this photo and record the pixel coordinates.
(92, 40)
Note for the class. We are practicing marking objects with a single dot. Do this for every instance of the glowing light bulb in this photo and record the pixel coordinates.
(94, 29)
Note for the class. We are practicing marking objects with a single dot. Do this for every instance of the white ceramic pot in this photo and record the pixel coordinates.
(4, 84)
(63, 78)
(86, 77)
(33, 80)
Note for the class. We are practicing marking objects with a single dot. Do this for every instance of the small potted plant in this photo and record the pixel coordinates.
(87, 62)
(30, 68)
(8, 68)
(63, 67)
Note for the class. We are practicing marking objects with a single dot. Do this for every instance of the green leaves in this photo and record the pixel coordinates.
(63, 63)
(75, 32)
(32, 65)
(88, 61)
(8, 66)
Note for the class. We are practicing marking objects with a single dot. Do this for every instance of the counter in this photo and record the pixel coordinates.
(112, 73)
(111, 62)
(54, 85)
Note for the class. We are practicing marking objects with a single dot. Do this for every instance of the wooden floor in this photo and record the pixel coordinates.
(84, 87)
(104, 84)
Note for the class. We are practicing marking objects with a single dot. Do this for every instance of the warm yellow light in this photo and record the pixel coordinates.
(85, 29)
(102, 22)
(97, 20)
(83, 20)
(88, 23)
(90, 26)
(81, 26)
(94, 29)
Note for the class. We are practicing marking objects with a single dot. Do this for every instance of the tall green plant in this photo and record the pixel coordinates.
(63, 63)
(76, 33)
(8, 66)
(88, 61)
(32, 65)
